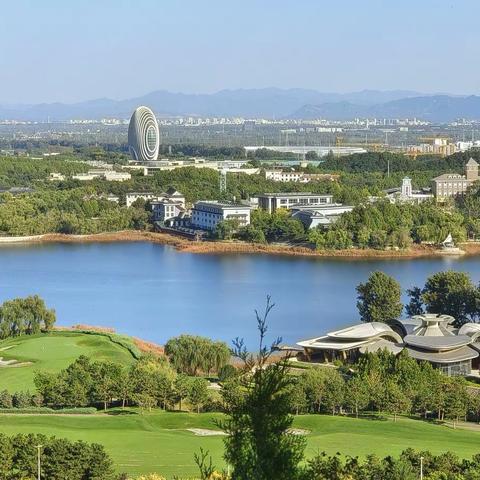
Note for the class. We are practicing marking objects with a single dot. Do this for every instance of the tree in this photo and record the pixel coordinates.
(379, 298)
(298, 396)
(25, 316)
(415, 305)
(313, 381)
(225, 229)
(5, 399)
(22, 399)
(226, 372)
(198, 393)
(182, 387)
(190, 354)
(259, 445)
(357, 396)
(395, 401)
(106, 377)
(334, 391)
(451, 293)
(456, 399)
(124, 386)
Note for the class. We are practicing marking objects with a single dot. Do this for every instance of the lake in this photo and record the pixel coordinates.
(154, 292)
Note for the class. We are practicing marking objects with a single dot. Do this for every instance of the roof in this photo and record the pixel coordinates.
(214, 203)
(428, 325)
(352, 337)
(449, 176)
(472, 163)
(361, 331)
(437, 344)
(294, 194)
(470, 329)
(451, 356)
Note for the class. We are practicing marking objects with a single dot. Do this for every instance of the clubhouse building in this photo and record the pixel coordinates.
(428, 337)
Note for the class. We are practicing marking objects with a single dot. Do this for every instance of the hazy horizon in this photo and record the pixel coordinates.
(241, 89)
(56, 51)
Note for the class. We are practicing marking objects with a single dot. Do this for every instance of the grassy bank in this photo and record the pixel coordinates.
(53, 352)
(160, 441)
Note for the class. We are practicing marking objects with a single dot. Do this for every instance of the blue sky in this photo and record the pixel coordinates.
(73, 50)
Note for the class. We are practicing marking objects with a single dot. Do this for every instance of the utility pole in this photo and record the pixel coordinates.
(38, 461)
(421, 468)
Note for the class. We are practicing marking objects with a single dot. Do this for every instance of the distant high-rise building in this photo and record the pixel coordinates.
(143, 135)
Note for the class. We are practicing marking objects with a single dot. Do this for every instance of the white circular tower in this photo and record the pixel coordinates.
(143, 135)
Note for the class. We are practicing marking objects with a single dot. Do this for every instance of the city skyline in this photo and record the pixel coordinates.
(57, 52)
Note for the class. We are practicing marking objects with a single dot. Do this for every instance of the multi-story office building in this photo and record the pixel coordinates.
(454, 184)
(207, 214)
(272, 201)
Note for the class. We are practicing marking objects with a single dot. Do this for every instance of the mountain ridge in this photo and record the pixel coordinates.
(294, 103)
(261, 102)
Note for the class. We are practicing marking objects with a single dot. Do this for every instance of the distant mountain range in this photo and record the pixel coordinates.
(266, 103)
(435, 108)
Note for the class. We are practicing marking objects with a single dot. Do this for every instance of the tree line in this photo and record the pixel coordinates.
(60, 459)
(385, 383)
(150, 382)
(450, 293)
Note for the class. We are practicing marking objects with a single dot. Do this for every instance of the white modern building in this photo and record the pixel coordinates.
(320, 215)
(272, 201)
(132, 197)
(170, 194)
(109, 175)
(113, 176)
(143, 135)
(429, 337)
(295, 176)
(207, 214)
(166, 209)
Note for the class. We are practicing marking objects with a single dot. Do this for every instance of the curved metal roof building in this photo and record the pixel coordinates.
(143, 135)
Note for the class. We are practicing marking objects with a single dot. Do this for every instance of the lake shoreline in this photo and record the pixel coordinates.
(219, 248)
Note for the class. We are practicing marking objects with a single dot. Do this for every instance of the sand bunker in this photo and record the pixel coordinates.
(298, 431)
(204, 432)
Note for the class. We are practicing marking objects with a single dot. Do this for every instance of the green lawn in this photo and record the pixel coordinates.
(159, 441)
(53, 352)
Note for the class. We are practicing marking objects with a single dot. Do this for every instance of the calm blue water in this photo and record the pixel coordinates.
(154, 292)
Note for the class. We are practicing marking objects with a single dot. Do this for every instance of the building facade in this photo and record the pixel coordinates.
(273, 201)
(143, 135)
(206, 215)
(454, 184)
(166, 209)
(299, 177)
(320, 215)
(427, 338)
(406, 194)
